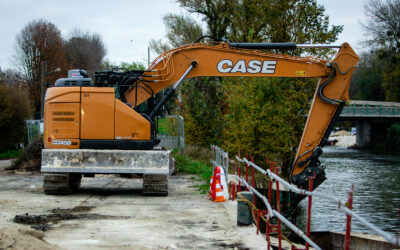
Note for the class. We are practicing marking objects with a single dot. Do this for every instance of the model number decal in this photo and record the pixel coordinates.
(252, 67)
(61, 142)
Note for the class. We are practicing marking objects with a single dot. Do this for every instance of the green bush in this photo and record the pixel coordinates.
(9, 154)
(393, 138)
(15, 110)
(30, 157)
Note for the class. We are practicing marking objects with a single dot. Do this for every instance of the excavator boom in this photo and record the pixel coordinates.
(240, 60)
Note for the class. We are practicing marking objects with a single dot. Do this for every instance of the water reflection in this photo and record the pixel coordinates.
(376, 180)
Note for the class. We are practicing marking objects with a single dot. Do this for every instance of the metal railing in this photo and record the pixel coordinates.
(274, 178)
(33, 129)
(220, 158)
(176, 139)
(367, 110)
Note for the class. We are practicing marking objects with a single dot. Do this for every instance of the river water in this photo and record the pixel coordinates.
(376, 180)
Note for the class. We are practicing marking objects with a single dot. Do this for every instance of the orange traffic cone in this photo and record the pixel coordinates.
(219, 195)
(211, 183)
(216, 190)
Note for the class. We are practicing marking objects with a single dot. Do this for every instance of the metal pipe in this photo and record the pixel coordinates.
(279, 216)
(310, 188)
(348, 220)
(192, 65)
(285, 46)
(296, 230)
(318, 46)
(278, 208)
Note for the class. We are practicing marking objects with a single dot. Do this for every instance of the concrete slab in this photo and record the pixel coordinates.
(106, 161)
(110, 212)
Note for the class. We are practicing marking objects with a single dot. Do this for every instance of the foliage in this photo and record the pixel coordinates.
(189, 165)
(382, 28)
(39, 42)
(393, 138)
(366, 83)
(265, 117)
(84, 50)
(383, 37)
(9, 154)
(107, 65)
(181, 30)
(30, 157)
(297, 21)
(201, 106)
(167, 125)
(15, 109)
(13, 78)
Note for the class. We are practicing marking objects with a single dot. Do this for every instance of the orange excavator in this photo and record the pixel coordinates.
(97, 128)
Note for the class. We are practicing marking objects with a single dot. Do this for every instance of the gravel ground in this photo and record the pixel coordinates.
(110, 212)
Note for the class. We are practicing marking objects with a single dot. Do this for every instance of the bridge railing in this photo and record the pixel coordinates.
(367, 110)
(274, 178)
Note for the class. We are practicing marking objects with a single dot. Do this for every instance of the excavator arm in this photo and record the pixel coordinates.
(241, 60)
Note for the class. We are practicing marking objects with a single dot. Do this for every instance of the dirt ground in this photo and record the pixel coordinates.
(110, 212)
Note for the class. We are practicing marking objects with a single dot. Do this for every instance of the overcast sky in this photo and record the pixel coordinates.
(128, 25)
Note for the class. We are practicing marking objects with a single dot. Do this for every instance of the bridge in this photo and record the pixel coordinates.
(371, 119)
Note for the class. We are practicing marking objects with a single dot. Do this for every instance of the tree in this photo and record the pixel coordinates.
(107, 65)
(15, 109)
(13, 78)
(262, 116)
(180, 30)
(383, 27)
(217, 14)
(266, 117)
(201, 105)
(299, 21)
(84, 50)
(38, 42)
(383, 36)
(366, 82)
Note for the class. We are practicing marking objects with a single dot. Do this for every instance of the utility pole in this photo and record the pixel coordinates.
(44, 74)
(148, 57)
(43, 67)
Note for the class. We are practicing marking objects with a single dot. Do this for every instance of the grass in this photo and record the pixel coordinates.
(9, 154)
(188, 165)
(163, 126)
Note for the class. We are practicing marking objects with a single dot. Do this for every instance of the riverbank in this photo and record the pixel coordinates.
(344, 140)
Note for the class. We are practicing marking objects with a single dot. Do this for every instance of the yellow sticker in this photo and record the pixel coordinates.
(300, 73)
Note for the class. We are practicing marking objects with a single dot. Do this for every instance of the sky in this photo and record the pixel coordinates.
(127, 26)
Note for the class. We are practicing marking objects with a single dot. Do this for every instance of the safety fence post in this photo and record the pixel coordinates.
(247, 171)
(278, 208)
(239, 189)
(310, 189)
(268, 230)
(253, 183)
(348, 219)
(234, 188)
